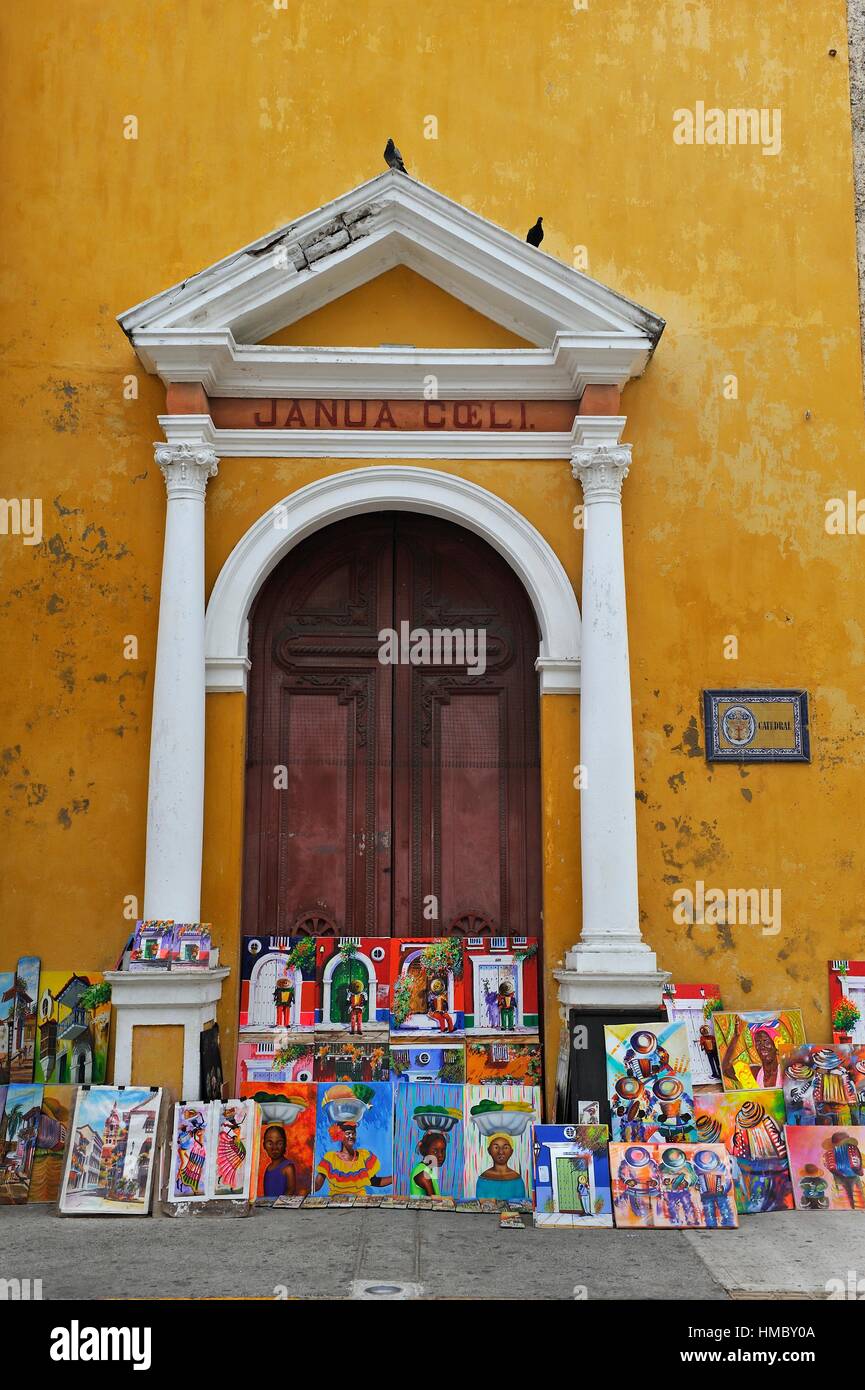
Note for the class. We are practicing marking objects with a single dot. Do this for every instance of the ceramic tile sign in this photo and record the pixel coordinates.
(750, 1125)
(109, 1162)
(672, 1186)
(73, 1023)
(847, 1001)
(500, 984)
(694, 1006)
(191, 1171)
(412, 1063)
(827, 1165)
(19, 1130)
(152, 946)
(649, 1082)
(7, 1011)
(286, 1139)
(354, 985)
(428, 1156)
(757, 726)
(749, 1044)
(55, 1126)
(498, 1141)
(22, 1044)
(512, 1061)
(345, 1057)
(273, 1056)
(427, 986)
(354, 1139)
(277, 983)
(824, 1085)
(571, 1176)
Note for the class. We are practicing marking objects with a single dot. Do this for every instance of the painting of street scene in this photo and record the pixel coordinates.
(109, 1165)
(73, 1023)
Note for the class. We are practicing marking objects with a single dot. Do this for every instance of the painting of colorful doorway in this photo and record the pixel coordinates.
(428, 1159)
(750, 1125)
(427, 986)
(571, 1176)
(353, 977)
(500, 984)
(277, 983)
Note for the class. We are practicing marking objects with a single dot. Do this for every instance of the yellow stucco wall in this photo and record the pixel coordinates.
(248, 120)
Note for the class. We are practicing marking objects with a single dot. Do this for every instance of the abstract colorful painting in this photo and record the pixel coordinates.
(286, 1138)
(55, 1127)
(498, 1141)
(748, 1046)
(445, 1062)
(827, 1166)
(847, 1001)
(109, 1162)
(233, 1128)
(672, 1185)
(750, 1125)
(427, 985)
(152, 946)
(694, 1006)
(500, 984)
(571, 1176)
(191, 1171)
(7, 1011)
(649, 1082)
(21, 1043)
(507, 1061)
(354, 984)
(354, 1139)
(19, 1130)
(824, 1085)
(277, 983)
(73, 1024)
(274, 1056)
(428, 1159)
(345, 1057)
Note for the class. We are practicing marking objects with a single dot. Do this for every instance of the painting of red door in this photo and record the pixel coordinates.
(400, 796)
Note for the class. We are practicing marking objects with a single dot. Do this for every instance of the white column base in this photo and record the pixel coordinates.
(163, 999)
(610, 975)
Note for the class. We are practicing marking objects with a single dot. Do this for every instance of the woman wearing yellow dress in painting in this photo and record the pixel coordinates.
(347, 1169)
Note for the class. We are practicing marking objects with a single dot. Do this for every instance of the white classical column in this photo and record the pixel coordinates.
(611, 966)
(175, 803)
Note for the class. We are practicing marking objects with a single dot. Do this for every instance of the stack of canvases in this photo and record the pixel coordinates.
(435, 1038)
(54, 1028)
(716, 1114)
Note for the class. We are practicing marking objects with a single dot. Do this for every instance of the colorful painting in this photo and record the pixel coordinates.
(19, 1130)
(109, 1162)
(152, 946)
(73, 1023)
(192, 1167)
(354, 1139)
(21, 1042)
(847, 1001)
(354, 984)
(694, 1006)
(649, 1082)
(571, 1176)
(824, 1085)
(55, 1126)
(827, 1166)
(508, 1061)
(750, 1125)
(749, 1043)
(344, 1057)
(498, 1141)
(428, 1159)
(445, 1062)
(588, 1112)
(658, 1186)
(277, 983)
(427, 985)
(190, 946)
(500, 984)
(233, 1128)
(7, 1013)
(286, 1139)
(274, 1056)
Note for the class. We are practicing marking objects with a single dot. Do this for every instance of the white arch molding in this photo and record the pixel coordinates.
(392, 488)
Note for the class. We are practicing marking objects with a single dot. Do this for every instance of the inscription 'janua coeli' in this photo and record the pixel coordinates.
(298, 413)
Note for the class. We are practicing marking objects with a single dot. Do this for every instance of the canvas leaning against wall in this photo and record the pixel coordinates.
(571, 1176)
(72, 1028)
(109, 1162)
(498, 1141)
(827, 1166)
(428, 1157)
(672, 1186)
(824, 1085)
(649, 1082)
(750, 1125)
(749, 1045)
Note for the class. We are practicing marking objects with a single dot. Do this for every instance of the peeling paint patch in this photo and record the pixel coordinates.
(676, 781)
(747, 793)
(64, 417)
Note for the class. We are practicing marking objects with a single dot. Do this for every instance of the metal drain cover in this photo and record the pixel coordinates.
(384, 1288)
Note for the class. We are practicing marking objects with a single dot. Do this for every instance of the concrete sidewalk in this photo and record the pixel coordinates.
(334, 1254)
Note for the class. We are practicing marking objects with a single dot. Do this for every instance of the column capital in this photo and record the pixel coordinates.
(601, 469)
(186, 468)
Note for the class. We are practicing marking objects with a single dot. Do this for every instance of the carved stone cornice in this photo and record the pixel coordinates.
(186, 468)
(601, 470)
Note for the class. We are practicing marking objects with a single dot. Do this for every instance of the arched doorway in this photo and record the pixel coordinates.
(393, 799)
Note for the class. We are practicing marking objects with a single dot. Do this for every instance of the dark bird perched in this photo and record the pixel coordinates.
(535, 234)
(393, 158)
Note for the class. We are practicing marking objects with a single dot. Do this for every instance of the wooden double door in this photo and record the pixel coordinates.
(392, 798)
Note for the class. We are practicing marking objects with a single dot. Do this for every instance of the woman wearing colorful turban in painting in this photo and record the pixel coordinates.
(501, 1181)
(750, 1060)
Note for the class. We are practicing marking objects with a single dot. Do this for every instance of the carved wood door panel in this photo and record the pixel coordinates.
(381, 794)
